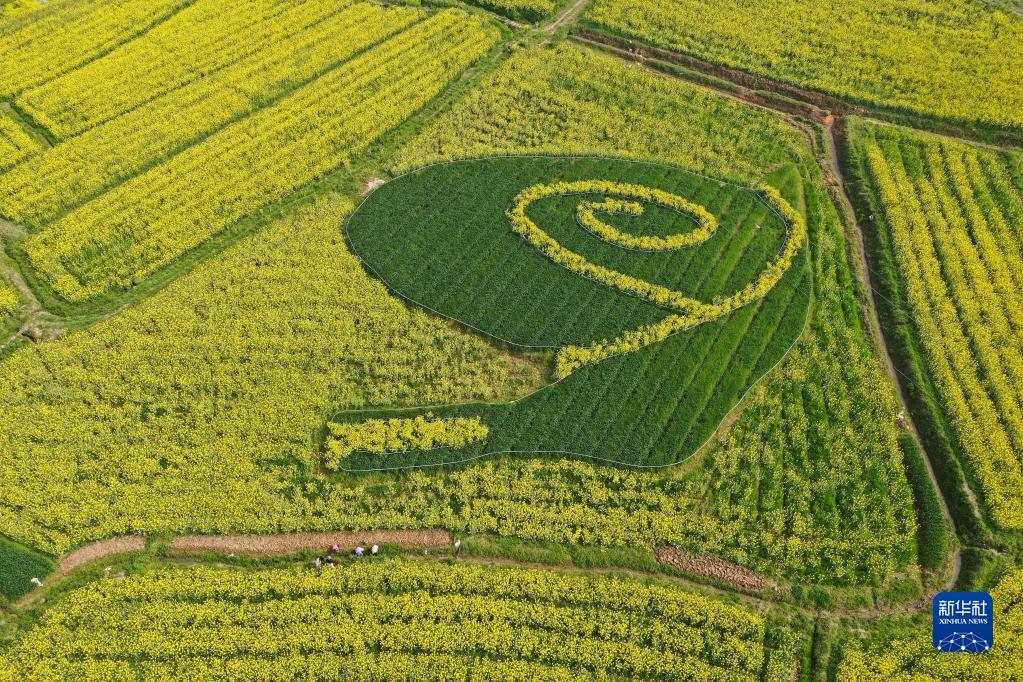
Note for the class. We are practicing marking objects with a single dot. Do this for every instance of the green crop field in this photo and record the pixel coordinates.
(507, 339)
(440, 237)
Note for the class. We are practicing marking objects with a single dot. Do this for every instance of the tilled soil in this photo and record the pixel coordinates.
(709, 567)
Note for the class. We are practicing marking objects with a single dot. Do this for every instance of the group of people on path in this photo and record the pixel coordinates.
(332, 560)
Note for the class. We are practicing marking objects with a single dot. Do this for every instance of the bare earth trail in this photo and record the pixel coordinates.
(280, 544)
(292, 543)
(567, 16)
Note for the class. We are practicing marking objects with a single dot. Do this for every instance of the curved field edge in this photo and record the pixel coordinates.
(579, 382)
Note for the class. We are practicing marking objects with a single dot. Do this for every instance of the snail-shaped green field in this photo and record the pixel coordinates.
(660, 296)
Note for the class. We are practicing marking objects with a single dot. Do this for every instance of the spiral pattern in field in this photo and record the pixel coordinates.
(624, 198)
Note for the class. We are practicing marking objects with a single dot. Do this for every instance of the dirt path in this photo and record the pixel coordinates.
(881, 348)
(292, 543)
(833, 132)
(567, 16)
(284, 544)
(249, 545)
(96, 551)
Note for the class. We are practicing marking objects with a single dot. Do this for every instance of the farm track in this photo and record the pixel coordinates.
(829, 114)
(567, 16)
(181, 547)
(291, 543)
(279, 544)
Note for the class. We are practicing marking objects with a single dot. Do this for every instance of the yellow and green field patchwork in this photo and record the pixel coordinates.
(654, 347)
(204, 402)
(206, 406)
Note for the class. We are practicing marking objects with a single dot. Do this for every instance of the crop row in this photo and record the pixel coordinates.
(568, 100)
(15, 142)
(959, 256)
(40, 45)
(127, 233)
(65, 176)
(528, 10)
(193, 44)
(936, 58)
(591, 625)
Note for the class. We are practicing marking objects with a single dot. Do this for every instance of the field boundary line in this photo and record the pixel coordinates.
(295, 543)
(796, 96)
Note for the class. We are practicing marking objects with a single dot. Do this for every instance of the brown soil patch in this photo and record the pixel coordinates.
(372, 185)
(709, 567)
(291, 543)
(99, 550)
